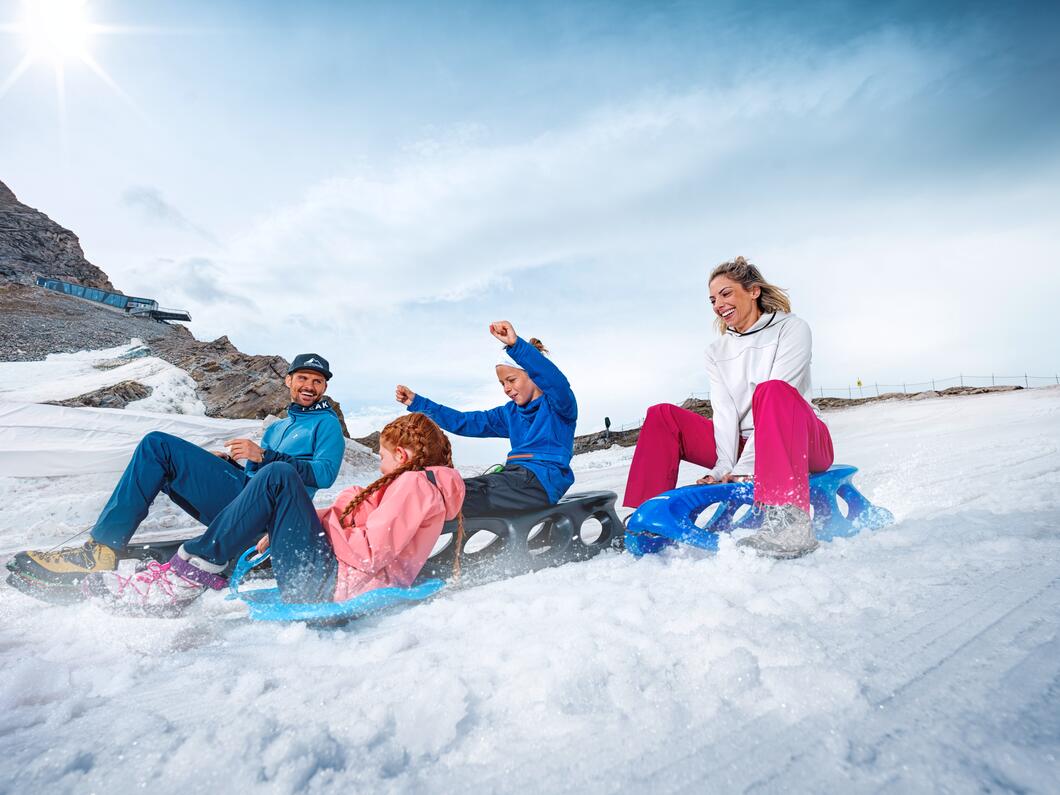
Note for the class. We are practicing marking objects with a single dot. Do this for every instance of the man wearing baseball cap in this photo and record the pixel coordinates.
(309, 439)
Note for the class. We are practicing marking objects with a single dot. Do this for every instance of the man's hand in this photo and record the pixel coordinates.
(244, 449)
(222, 454)
(263, 544)
(504, 331)
(402, 394)
(707, 480)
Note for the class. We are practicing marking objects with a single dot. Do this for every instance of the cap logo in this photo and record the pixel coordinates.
(313, 361)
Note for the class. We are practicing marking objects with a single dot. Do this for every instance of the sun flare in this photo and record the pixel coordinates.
(57, 34)
(56, 30)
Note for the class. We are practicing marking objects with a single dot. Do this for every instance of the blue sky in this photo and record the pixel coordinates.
(377, 182)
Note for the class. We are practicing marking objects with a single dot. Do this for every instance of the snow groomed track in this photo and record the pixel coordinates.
(922, 657)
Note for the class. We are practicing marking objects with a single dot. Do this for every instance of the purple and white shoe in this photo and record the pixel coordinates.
(153, 588)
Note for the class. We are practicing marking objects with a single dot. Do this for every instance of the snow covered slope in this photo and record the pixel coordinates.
(67, 375)
(920, 658)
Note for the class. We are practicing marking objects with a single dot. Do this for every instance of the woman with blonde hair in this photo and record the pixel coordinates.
(764, 426)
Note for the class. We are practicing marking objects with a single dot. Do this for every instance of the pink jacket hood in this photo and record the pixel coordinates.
(393, 531)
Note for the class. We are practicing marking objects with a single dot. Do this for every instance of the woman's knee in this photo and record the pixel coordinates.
(774, 389)
(660, 412)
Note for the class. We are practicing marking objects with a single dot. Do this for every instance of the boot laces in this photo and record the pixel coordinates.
(79, 555)
(144, 579)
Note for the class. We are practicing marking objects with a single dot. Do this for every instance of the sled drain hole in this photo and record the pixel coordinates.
(478, 541)
(445, 540)
(704, 517)
(539, 539)
(537, 530)
(591, 530)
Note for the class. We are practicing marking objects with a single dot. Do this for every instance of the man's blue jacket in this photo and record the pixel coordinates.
(542, 431)
(310, 440)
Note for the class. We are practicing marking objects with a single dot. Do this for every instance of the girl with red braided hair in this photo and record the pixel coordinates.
(372, 537)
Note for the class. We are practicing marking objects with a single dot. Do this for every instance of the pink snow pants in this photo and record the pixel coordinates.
(790, 443)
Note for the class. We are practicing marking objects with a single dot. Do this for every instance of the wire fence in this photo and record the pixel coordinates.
(863, 389)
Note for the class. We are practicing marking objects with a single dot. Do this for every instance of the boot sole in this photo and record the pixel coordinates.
(30, 569)
(56, 594)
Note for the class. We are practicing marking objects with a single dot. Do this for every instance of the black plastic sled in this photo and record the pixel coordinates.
(577, 528)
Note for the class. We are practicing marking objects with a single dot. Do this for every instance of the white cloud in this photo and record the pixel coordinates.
(831, 171)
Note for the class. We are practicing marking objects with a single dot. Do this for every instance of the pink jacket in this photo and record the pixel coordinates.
(393, 531)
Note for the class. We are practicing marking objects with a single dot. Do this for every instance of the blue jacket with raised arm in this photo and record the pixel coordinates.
(541, 432)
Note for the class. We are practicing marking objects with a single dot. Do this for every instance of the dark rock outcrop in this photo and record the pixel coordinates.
(35, 322)
(117, 396)
(371, 441)
(231, 383)
(32, 244)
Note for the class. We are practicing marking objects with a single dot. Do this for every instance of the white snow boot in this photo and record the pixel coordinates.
(786, 532)
(153, 588)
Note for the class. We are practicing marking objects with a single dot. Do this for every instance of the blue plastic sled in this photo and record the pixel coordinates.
(671, 517)
(265, 604)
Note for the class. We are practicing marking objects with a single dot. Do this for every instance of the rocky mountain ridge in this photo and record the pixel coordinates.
(36, 322)
(32, 244)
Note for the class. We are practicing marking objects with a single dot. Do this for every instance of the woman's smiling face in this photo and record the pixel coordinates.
(735, 305)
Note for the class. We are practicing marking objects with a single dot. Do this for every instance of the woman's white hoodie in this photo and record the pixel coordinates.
(776, 348)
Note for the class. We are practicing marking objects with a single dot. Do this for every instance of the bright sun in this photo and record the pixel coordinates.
(56, 30)
(56, 33)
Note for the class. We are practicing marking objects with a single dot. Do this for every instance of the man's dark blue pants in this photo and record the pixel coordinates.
(235, 508)
(276, 502)
(196, 480)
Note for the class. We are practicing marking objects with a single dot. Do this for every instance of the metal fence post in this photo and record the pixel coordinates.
(903, 389)
(1026, 381)
(962, 379)
(878, 389)
(992, 381)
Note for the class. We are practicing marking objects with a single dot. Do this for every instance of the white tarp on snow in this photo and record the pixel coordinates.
(44, 441)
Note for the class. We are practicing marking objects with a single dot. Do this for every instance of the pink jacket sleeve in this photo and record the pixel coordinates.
(407, 503)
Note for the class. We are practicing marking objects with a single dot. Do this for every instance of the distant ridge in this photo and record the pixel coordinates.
(35, 322)
(32, 244)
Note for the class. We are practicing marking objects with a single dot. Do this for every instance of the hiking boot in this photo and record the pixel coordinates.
(65, 566)
(786, 532)
(52, 594)
(151, 588)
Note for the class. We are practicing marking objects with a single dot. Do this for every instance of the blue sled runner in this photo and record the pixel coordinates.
(677, 516)
(265, 604)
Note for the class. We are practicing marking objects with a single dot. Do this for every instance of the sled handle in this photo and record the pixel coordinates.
(246, 562)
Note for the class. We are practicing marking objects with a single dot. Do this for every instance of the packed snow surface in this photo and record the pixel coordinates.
(68, 375)
(919, 658)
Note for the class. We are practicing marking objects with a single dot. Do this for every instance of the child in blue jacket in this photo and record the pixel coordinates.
(539, 419)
